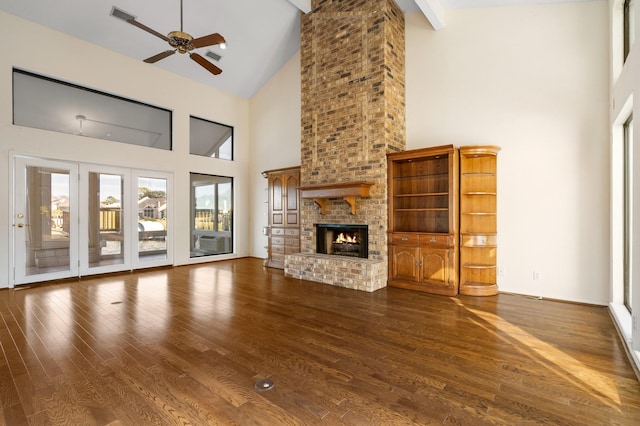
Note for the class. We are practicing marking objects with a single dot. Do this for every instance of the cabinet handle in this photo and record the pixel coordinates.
(405, 238)
(433, 239)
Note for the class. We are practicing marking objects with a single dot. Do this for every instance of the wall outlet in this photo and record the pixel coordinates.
(536, 276)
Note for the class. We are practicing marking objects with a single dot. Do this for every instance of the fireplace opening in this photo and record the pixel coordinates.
(342, 240)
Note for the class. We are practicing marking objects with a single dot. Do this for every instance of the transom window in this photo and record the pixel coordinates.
(210, 139)
(45, 103)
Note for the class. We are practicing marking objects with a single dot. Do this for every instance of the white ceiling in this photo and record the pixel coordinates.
(261, 35)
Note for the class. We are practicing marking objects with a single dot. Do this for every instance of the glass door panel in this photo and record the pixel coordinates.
(45, 220)
(152, 248)
(106, 231)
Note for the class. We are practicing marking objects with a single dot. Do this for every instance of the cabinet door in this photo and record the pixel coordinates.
(276, 201)
(404, 263)
(292, 206)
(434, 266)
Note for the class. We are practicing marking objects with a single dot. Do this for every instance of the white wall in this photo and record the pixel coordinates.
(534, 81)
(54, 54)
(275, 140)
(531, 79)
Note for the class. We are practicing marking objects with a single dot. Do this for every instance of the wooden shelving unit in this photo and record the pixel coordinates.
(478, 220)
(423, 218)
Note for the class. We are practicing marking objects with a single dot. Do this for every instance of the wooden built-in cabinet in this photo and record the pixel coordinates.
(284, 215)
(423, 219)
(478, 220)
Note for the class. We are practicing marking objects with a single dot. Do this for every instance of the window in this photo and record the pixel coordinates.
(49, 104)
(210, 139)
(628, 210)
(211, 215)
(629, 26)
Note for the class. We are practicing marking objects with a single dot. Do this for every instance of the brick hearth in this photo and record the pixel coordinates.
(353, 113)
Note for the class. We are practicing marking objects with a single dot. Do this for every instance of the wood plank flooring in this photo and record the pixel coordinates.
(186, 345)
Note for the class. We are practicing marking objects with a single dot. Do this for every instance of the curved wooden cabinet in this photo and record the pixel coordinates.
(478, 220)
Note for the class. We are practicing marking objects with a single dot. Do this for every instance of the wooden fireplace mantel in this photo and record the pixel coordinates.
(347, 190)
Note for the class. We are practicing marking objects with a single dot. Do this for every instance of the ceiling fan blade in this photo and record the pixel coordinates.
(147, 29)
(208, 40)
(162, 55)
(205, 64)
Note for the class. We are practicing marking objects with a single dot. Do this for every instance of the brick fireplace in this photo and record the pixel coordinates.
(353, 113)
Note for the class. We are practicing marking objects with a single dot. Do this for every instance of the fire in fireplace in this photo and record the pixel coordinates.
(342, 240)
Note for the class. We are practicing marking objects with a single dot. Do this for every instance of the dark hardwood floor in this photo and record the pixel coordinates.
(186, 345)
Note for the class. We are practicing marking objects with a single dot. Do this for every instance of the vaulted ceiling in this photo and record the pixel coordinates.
(261, 35)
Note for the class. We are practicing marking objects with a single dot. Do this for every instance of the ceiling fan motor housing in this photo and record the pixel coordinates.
(181, 41)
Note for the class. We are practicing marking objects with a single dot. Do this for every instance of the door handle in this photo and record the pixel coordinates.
(21, 225)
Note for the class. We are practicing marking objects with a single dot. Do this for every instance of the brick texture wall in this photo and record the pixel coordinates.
(353, 109)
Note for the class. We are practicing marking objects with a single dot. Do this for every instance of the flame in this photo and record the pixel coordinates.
(346, 239)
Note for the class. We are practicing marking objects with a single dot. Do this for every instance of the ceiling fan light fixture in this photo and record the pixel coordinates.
(223, 46)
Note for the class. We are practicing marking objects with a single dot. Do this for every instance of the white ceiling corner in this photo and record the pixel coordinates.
(433, 10)
(303, 5)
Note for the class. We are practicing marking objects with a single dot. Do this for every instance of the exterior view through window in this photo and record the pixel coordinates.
(152, 217)
(211, 215)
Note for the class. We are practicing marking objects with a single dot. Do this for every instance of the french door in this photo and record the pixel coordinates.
(44, 220)
(81, 219)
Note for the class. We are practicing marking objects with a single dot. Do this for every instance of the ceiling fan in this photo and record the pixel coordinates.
(180, 42)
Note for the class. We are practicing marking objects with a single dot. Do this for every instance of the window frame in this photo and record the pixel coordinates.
(100, 110)
(627, 17)
(195, 250)
(627, 130)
